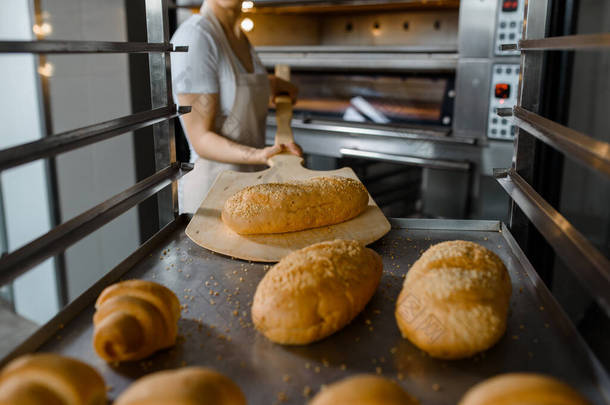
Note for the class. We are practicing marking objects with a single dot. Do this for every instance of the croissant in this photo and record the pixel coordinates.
(134, 319)
(50, 379)
(454, 301)
(364, 390)
(186, 386)
(522, 389)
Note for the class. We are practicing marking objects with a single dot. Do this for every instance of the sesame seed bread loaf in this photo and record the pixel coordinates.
(363, 390)
(294, 206)
(454, 301)
(313, 292)
(522, 389)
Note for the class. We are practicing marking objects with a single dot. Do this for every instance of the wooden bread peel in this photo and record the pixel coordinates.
(207, 229)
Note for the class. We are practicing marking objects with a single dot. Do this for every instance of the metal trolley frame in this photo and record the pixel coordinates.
(215, 291)
(163, 110)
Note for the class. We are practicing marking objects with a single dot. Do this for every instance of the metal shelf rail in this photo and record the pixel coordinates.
(55, 47)
(58, 239)
(565, 43)
(590, 266)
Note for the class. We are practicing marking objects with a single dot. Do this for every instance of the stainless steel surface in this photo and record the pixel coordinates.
(399, 49)
(74, 308)
(504, 112)
(328, 140)
(49, 47)
(590, 266)
(268, 3)
(509, 26)
(477, 28)
(378, 61)
(509, 47)
(69, 140)
(440, 135)
(497, 153)
(216, 330)
(530, 85)
(61, 237)
(406, 160)
(157, 28)
(393, 27)
(593, 153)
(568, 42)
(503, 89)
(471, 98)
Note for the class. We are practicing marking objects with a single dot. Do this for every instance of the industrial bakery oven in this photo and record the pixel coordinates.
(402, 91)
(540, 337)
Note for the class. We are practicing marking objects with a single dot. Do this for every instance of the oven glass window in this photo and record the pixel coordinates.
(383, 99)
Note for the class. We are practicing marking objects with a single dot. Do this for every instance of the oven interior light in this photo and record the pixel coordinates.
(247, 5)
(247, 24)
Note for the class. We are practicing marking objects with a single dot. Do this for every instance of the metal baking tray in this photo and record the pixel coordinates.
(216, 330)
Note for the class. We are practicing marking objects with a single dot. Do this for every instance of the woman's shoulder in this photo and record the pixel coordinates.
(194, 29)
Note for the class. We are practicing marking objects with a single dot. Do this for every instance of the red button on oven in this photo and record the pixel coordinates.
(510, 5)
(502, 90)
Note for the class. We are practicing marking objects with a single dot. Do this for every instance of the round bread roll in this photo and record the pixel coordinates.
(50, 379)
(313, 292)
(294, 206)
(364, 390)
(185, 386)
(134, 319)
(454, 301)
(522, 389)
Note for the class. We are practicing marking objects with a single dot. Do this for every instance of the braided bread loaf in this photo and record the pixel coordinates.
(186, 386)
(523, 389)
(134, 319)
(50, 379)
(454, 301)
(364, 390)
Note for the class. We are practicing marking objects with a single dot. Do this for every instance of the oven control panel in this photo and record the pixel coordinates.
(509, 25)
(504, 86)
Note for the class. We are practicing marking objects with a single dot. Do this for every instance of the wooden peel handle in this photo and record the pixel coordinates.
(283, 109)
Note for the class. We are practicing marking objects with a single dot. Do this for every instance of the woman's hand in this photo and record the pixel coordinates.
(282, 87)
(263, 155)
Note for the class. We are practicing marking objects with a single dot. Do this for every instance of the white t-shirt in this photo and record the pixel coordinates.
(206, 67)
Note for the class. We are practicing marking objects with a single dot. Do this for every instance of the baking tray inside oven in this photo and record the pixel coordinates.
(216, 330)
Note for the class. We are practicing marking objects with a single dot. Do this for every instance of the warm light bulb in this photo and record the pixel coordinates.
(43, 29)
(46, 70)
(247, 5)
(247, 24)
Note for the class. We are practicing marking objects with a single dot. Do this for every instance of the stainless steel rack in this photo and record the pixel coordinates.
(217, 330)
(540, 336)
(61, 237)
(583, 259)
(54, 47)
(564, 43)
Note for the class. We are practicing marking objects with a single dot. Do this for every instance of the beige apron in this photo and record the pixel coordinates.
(245, 124)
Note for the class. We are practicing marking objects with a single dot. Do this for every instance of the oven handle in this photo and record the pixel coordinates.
(407, 160)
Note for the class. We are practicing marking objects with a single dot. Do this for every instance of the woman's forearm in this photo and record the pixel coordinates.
(212, 146)
(207, 143)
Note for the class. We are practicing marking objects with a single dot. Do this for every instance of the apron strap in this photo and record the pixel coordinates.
(222, 37)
